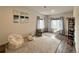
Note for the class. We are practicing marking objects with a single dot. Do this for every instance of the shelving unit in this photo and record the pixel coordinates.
(71, 30)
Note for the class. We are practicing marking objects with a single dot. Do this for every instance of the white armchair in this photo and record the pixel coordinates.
(15, 41)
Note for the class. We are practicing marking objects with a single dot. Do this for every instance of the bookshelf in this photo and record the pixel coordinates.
(71, 30)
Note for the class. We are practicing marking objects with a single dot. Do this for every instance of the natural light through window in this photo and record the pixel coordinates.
(40, 24)
(56, 25)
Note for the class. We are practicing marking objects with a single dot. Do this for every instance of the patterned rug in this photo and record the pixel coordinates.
(48, 43)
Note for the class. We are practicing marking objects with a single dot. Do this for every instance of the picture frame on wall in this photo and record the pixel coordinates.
(16, 18)
(26, 19)
(20, 17)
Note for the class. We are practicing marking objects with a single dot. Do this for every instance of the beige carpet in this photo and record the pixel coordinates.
(48, 43)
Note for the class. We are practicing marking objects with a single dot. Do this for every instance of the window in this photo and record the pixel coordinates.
(57, 25)
(40, 24)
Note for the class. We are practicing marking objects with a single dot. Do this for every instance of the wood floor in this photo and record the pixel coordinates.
(64, 47)
(48, 43)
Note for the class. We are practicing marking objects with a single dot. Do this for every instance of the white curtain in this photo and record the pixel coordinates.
(40, 24)
(57, 25)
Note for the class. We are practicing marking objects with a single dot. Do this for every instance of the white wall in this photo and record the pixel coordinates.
(7, 26)
(76, 15)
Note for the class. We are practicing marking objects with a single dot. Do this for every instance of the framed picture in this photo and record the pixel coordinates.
(20, 17)
(26, 19)
(16, 18)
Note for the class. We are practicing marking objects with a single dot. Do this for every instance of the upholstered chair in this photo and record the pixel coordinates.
(15, 41)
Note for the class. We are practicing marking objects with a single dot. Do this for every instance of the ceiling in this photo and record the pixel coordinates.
(51, 10)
